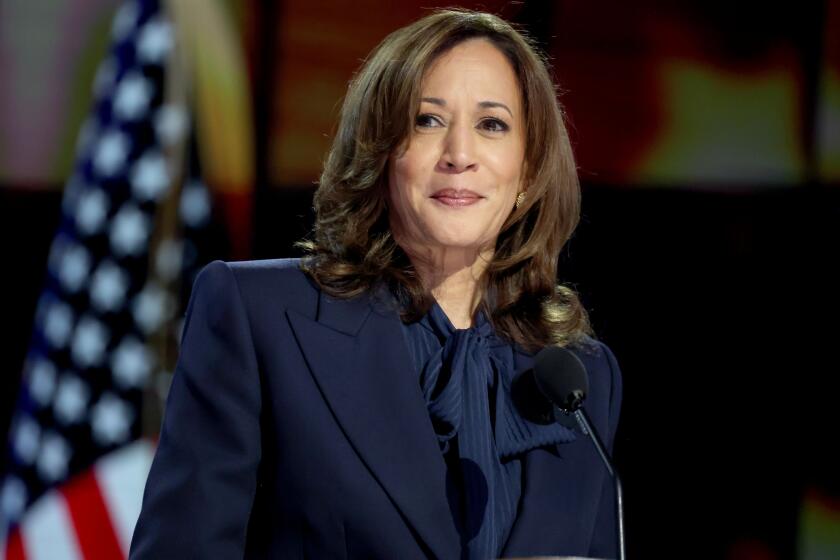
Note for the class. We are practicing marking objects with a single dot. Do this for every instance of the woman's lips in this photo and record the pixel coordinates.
(456, 197)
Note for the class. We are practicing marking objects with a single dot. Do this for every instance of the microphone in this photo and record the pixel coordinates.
(562, 378)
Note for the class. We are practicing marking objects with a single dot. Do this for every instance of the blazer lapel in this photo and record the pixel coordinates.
(361, 363)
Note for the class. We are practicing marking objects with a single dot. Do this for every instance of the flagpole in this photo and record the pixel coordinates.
(164, 342)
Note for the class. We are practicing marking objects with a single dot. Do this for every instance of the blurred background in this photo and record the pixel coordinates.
(139, 140)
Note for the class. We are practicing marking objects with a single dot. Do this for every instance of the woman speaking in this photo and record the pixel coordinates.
(359, 403)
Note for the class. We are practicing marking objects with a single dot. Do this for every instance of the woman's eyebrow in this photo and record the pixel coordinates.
(434, 101)
(495, 104)
(483, 104)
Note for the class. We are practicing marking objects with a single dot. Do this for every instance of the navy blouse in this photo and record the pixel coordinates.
(466, 377)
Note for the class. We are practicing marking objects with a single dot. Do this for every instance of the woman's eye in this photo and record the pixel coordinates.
(494, 125)
(427, 121)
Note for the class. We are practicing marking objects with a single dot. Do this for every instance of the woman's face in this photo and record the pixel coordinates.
(456, 182)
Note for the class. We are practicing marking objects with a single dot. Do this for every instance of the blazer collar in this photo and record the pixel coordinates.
(357, 354)
(343, 315)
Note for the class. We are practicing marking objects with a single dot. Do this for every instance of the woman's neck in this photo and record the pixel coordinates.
(453, 278)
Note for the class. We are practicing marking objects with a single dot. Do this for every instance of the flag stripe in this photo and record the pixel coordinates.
(47, 530)
(14, 546)
(122, 477)
(90, 518)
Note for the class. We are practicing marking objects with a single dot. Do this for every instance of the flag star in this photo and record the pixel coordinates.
(170, 123)
(169, 258)
(129, 231)
(42, 381)
(71, 399)
(133, 96)
(27, 439)
(74, 268)
(154, 41)
(89, 342)
(111, 420)
(150, 176)
(106, 75)
(131, 364)
(150, 308)
(108, 287)
(125, 20)
(13, 498)
(91, 211)
(58, 324)
(195, 204)
(54, 458)
(111, 153)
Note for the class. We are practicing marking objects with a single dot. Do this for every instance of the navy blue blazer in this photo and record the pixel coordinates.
(295, 428)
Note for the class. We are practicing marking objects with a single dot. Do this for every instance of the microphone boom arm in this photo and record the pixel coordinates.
(586, 427)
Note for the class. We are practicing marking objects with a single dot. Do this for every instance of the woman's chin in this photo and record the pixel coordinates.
(436, 238)
(458, 243)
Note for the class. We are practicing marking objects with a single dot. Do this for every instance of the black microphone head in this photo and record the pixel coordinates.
(561, 377)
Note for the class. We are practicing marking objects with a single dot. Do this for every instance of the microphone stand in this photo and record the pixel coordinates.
(586, 427)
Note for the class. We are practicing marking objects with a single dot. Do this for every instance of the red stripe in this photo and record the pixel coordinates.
(94, 530)
(14, 546)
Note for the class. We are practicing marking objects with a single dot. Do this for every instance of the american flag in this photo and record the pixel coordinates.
(76, 463)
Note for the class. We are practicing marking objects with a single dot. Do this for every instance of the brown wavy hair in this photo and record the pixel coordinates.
(351, 249)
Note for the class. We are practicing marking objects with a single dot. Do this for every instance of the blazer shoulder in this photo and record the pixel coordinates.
(271, 280)
(268, 270)
(605, 382)
(597, 357)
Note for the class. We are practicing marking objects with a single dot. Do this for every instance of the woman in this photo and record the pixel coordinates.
(359, 404)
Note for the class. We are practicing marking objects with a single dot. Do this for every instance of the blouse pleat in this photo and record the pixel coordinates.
(466, 377)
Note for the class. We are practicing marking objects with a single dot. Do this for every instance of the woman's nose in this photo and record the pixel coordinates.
(459, 150)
